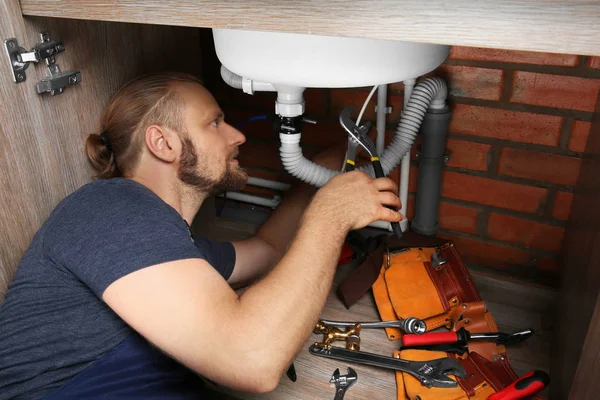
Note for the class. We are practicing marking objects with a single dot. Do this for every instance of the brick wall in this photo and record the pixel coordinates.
(519, 126)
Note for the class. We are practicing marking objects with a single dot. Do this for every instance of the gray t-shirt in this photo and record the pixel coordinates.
(53, 322)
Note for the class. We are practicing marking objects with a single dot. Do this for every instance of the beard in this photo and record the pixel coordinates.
(232, 179)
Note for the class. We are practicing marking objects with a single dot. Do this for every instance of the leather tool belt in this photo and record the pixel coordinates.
(424, 277)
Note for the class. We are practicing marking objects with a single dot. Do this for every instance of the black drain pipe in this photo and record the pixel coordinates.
(434, 131)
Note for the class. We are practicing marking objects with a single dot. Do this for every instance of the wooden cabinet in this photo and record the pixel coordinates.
(42, 158)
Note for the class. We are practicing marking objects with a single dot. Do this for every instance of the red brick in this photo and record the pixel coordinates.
(559, 91)
(594, 62)
(323, 133)
(263, 101)
(255, 129)
(259, 191)
(474, 82)
(315, 101)
(413, 177)
(508, 125)
(457, 218)
(342, 98)
(463, 154)
(562, 205)
(492, 255)
(410, 207)
(398, 86)
(512, 56)
(548, 264)
(553, 168)
(259, 154)
(492, 192)
(579, 136)
(469, 155)
(526, 233)
(279, 176)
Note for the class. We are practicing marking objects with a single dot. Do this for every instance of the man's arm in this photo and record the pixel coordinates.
(246, 342)
(257, 255)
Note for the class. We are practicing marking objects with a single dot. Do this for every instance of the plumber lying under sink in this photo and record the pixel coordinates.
(115, 298)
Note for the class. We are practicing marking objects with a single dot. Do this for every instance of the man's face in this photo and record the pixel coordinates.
(210, 147)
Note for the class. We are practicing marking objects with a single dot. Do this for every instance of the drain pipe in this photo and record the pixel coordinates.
(409, 85)
(381, 111)
(431, 93)
(431, 160)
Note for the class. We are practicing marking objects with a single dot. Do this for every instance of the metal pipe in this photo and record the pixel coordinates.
(264, 183)
(431, 160)
(260, 201)
(381, 112)
(409, 84)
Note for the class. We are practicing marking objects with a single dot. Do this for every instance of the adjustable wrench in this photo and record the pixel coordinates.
(343, 382)
(357, 136)
(432, 373)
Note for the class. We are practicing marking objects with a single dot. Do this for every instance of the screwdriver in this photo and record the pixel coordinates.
(526, 385)
(462, 336)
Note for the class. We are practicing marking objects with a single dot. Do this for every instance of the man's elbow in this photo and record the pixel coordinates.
(262, 376)
(265, 384)
(256, 381)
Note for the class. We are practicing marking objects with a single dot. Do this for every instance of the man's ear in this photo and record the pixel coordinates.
(163, 143)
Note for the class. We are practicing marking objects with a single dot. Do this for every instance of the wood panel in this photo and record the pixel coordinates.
(568, 26)
(42, 156)
(577, 340)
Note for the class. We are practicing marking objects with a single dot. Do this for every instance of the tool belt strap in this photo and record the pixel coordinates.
(358, 283)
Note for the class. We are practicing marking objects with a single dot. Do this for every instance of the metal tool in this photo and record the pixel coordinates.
(291, 373)
(432, 373)
(343, 382)
(409, 325)
(19, 58)
(331, 333)
(357, 136)
(462, 336)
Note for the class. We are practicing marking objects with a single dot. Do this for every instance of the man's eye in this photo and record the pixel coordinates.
(215, 123)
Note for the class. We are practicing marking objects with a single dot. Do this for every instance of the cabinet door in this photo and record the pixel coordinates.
(576, 350)
(42, 154)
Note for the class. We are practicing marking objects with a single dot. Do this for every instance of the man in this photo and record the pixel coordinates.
(115, 298)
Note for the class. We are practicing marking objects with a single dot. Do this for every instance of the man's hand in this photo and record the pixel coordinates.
(354, 200)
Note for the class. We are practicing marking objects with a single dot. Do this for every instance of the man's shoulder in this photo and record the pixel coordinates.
(120, 187)
(105, 203)
(109, 195)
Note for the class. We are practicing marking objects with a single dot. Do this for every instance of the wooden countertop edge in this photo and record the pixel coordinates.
(571, 27)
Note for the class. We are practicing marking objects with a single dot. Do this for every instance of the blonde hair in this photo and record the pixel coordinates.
(144, 101)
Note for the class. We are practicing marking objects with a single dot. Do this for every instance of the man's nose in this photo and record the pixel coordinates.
(235, 137)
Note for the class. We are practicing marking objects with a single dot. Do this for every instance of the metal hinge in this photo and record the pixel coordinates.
(19, 58)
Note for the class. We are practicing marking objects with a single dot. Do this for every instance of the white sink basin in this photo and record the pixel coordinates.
(323, 61)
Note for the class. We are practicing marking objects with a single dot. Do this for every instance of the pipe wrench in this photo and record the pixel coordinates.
(432, 373)
(357, 136)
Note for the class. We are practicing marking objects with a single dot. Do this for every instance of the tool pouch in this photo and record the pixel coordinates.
(442, 294)
(484, 378)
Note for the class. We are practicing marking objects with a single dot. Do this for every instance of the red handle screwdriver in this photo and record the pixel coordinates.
(462, 336)
(526, 385)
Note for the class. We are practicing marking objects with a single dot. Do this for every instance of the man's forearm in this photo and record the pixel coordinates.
(294, 293)
(279, 230)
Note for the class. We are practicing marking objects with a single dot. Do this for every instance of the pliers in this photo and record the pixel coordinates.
(357, 136)
(457, 342)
